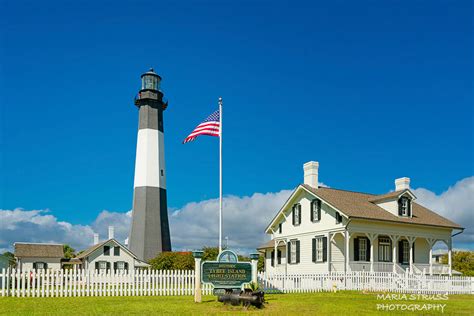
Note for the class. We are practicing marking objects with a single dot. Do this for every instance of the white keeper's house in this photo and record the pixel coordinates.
(321, 229)
(108, 255)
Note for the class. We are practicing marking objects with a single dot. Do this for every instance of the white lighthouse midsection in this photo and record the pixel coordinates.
(150, 168)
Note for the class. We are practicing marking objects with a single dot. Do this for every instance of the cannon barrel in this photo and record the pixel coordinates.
(246, 299)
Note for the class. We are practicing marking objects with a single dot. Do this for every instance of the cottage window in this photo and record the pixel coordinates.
(385, 249)
(297, 214)
(116, 251)
(362, 249)
(279, 228)
(102, 265)
(404, 207)
(319, 249)
(106, 250)
(293, 251)
(315, 210)
(120, 265)
(338, 218)
(39, 265)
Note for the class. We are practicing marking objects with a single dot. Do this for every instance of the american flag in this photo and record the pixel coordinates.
(209, 126)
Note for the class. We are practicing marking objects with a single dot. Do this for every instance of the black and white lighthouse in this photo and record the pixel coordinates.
(150, 233)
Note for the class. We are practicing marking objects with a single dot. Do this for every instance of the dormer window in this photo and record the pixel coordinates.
(404, 206)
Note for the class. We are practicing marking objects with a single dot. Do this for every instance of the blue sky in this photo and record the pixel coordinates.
(372, 90)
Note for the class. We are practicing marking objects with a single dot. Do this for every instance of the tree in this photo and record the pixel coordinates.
(463, 261)
(11, 258)
(69, 252)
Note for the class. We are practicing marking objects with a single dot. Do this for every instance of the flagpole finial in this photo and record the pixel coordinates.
(220, 100)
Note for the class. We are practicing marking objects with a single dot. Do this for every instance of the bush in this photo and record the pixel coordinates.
(173, 261)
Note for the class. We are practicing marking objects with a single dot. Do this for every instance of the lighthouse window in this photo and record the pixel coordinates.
(162, 173)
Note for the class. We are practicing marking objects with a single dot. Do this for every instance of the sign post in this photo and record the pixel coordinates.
(197, 276)
(254, 258)
(227, 273)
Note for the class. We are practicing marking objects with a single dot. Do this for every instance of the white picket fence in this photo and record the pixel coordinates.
(70, 283)
(62, 283)
(366, 281)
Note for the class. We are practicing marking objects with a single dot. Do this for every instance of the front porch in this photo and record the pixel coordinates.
(380, 252)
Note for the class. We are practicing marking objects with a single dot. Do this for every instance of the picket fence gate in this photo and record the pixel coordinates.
(70, 283)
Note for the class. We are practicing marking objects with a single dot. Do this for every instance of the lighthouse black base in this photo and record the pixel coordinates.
(151, 233)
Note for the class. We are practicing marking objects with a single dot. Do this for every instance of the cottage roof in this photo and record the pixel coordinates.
(360, 205)
(38, 250)
(363, 206)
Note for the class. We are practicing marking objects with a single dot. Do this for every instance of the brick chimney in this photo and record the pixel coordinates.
(311, 173)
(402, 184)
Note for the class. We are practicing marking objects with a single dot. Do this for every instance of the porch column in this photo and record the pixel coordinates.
(450, 248)
(372, 238)
(394, 239)
(431, 242)
(411, 240)
(347, 237)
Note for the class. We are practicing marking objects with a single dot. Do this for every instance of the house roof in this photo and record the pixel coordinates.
(90, 250)
(268, 244)
(360, 205)
(38, 250)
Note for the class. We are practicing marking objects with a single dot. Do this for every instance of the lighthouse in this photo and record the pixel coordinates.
(150, 233)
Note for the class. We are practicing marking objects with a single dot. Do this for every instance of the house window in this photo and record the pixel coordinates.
(315, 210)
(106, 251)
(404, 206)
(279, 256)
(338, 218)
(385, 249)
(405, 251)
(120, 265)
(319, 249)
(362, 249)
(39, 265)
(297, 214)
(116, 251)
(102, 265)
(293, 251)
(280, 228)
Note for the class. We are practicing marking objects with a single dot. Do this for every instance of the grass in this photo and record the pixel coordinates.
(340, 303)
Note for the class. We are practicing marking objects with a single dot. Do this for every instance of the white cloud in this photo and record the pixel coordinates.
(196, 224)
(39, 226)
(456, 204)
(245, 219)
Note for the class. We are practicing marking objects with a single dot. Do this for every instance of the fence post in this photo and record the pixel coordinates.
(197, 276)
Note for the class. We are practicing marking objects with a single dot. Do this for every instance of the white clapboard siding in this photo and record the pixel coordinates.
(73, 283)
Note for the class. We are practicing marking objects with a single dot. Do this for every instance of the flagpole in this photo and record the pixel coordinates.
(220, 175)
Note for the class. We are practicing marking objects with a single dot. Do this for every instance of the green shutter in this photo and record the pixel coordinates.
(313, 205)
(288, 258)
(325, 249)
(314, 249)
(356, 249)
(367, 249)
(297, 251)
(299, 214)
(319, 210)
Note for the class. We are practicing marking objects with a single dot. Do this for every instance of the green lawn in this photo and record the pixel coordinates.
(340, 303)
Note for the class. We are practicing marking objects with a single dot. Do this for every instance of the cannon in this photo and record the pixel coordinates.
(245, 298)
